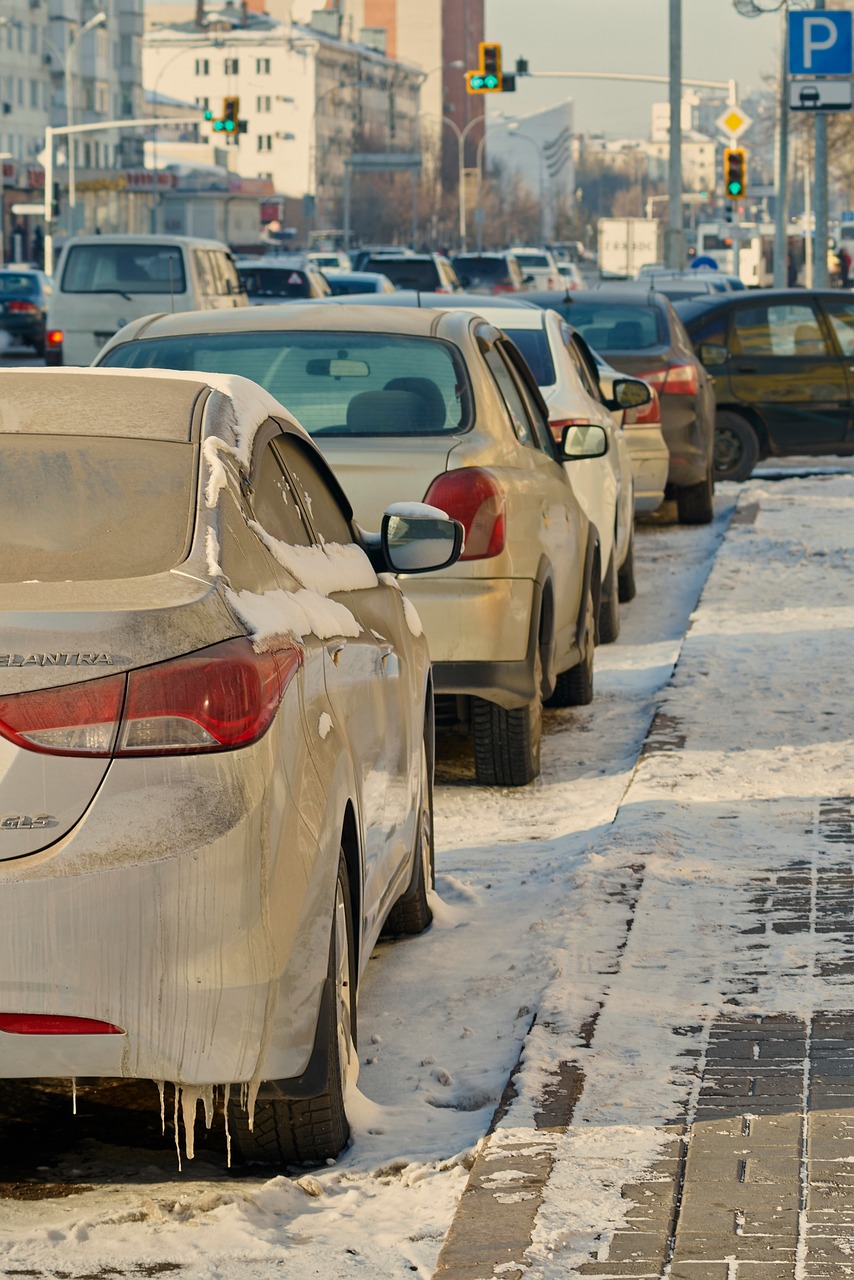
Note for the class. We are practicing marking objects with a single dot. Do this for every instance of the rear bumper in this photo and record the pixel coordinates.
(650, 465)
(161, 926)
(29, 330)
(687, 443)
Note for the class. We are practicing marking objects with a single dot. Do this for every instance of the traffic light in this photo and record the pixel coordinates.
(735, 173)
(229, 121)
(488, 77)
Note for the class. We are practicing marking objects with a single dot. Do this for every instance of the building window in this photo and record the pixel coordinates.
(34, 94)
(232, 66)
(262, 66)
(264, 104)
(204, 103)
(202, 67)
(265, 142)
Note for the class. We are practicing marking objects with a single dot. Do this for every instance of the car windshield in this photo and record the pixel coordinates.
(407, 273)
(75, 508)
(534, 346)
(345, 384)
(615, 326)
(272, 282)
(124, 268)
(18, 282)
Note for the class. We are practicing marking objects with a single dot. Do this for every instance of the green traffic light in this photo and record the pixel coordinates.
(735, 189)
(209, 115)
(219, 125)
(491, 82)
(229, 124)
(477, 82)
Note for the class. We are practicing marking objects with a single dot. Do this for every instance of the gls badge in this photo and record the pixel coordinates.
(20, 822)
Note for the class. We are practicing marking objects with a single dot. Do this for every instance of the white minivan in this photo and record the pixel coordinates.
(102, 282)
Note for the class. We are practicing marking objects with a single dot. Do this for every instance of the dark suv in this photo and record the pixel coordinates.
(782, 361)
(427, 272)
(491, 273)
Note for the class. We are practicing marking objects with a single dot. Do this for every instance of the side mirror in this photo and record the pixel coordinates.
(712, 355)
(528, 279)
(629, 393)
(417, 538)
(583, 442)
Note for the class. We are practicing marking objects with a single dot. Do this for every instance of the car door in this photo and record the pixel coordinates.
(541, 488)
(369, 679)
(597, 481)
(783, 362)
(840, 314)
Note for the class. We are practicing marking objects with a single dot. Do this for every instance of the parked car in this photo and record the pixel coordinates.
(539, 264)
(566, 374)
(344, 283)
(686, 284)
(781, 360)
(490, 273)
(570, 275)
(437, 406)
(275, 278)
(431, 272)
(24, 296)
(217, 753)
(638, 331)
(102, 282)
(332, 259)
(647, 446)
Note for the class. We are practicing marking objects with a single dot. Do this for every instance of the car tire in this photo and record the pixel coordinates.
(626, 587)
(507, 740)
(609, 605)
(412, 913)
(574, 688)
(695, 502)
(310, 1131)
(736, 447)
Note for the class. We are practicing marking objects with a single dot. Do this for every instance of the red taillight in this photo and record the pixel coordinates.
(473, 496)
(674, 380)
(214, 700)
(53, 337)
(504, 288)
(29, 307)
(54, 1024)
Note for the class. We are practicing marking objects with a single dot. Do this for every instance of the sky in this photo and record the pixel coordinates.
(625, 36)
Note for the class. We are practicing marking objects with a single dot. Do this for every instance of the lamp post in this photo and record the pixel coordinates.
(4, 156)
(512, 129)
(97, 21)
(461, 135)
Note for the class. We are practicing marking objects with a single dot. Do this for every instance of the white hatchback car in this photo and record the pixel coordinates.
(216, 743)
(566, 373)
(540, 265)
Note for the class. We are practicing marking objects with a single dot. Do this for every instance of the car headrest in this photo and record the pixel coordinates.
(435, 413)
(376, 413)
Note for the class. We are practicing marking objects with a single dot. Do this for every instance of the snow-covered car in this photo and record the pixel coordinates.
(437, 406)
(565, 371)
(216, 744)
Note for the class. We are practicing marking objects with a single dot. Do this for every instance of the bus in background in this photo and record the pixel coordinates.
(755, 255)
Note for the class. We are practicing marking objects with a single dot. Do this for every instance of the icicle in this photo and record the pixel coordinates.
(74, 1095)
(161, 1089)
(226, 1096)
(177, 1134)
(189, 1103)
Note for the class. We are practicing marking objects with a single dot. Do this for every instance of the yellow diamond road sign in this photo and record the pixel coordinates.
(734, 122)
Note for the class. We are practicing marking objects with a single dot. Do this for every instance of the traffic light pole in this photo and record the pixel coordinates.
(820, 193)
(675, 245)
(63, 131)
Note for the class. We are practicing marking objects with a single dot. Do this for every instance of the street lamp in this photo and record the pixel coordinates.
(461, 135)
(4, 156)
(97, 21)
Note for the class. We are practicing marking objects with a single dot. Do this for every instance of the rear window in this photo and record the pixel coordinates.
(534, 346)
(124, 268)
(481, 268)
(18, 282)
(617, 327)
(341, 384)
(266, 283)
(88, 508)
(532, 259)
(407, 273)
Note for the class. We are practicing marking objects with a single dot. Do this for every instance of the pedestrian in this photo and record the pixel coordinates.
(844, 266)
(791, 271)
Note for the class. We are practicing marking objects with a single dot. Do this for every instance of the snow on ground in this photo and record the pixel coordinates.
(534, 890)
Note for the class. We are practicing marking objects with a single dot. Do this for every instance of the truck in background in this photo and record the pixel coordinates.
(626, 245)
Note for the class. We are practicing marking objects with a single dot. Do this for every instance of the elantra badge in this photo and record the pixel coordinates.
(56, 660)
(21, 822)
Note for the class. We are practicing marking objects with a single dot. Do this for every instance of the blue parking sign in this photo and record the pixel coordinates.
(820, 42)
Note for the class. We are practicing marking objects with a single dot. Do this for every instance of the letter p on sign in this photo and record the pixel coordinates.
(820, 43)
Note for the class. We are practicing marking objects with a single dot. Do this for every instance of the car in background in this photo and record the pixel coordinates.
(431, 272)
(645, 439)
(24, 296)
(344, 283)
(781, 360)
(570, 276)
(238, 731)
(439, 407)
(490, 273)
(566, 374)
(334, 259)
(539, 264)
(638, 331)
(274, 278)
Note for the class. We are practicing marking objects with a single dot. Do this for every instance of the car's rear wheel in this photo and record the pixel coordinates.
(609, 605)
(695, 502)
(626, 587)
(313, 1130)
(574, 688)
(507, 741)
(736, 447)
(412, 913)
